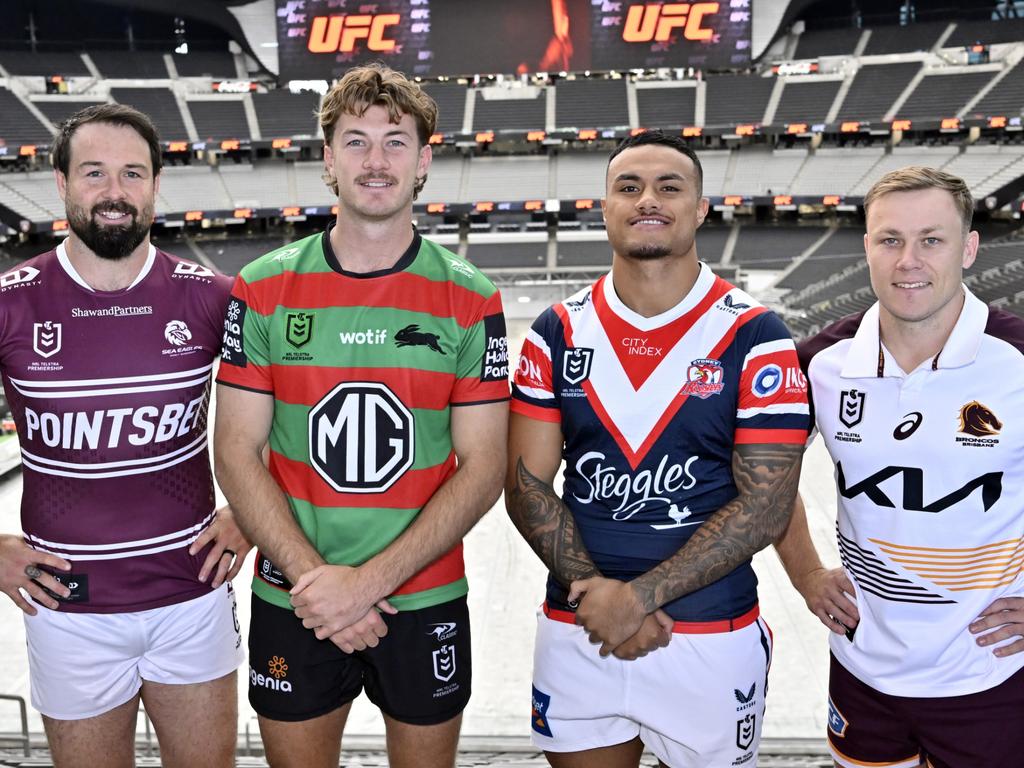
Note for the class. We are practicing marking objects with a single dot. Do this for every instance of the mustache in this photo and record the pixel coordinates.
(376, 177)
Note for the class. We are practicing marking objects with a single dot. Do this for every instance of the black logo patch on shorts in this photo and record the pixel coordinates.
(78, 583)
(269, 572)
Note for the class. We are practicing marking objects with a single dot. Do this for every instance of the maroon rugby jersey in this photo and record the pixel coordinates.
(109, 391)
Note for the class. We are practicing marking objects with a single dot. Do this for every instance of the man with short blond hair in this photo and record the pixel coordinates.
(915, 400)
(374, 361)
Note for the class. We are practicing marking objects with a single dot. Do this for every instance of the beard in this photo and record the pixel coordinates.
(112, 242)
(648, 252)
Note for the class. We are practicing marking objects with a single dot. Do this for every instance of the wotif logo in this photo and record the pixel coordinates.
(369, 336)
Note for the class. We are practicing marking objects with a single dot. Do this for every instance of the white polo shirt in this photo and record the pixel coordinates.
(929, 467)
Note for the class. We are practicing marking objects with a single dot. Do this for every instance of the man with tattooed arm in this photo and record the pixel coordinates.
(678, 405)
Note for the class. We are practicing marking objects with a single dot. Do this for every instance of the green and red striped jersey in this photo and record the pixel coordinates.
(363, 369)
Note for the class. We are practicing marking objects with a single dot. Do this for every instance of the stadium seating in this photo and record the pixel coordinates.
(161, 106)
(451, 104)
(827, 42)
(511, 113)
(939, 95)
(215, 64)
(219, 118)
(590, 103)
(735, 99)
(808, 101)
(904, 39)
(60, 108)
(673, 106)
(875, 89)
(17, 124)
(43, 64)
(764, 247)
(282, 113)
(140, 64)
(1006, 96)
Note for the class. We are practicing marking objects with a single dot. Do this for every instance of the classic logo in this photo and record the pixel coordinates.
(461, 267)
(767, 381)
(908, 426)
(444, 663)
(298, 328)
(538, 719)
(177, 333)
(836, 722)
(851, 408)
(412, 336)
(287, 253)
(704, 378)
(361, 437)
(745, 730)
(444, 631)
(978, 420)
(576, 364)
(746, 700)
(991, 485)
(46, 338)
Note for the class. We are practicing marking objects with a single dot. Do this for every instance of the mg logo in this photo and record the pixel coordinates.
(361, 437)
(330, 34)
(655, 22)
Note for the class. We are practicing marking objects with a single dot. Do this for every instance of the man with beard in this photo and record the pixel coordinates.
(106, 349)
(676, 402)
(375, 364)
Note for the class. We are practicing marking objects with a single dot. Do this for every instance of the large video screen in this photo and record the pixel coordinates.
(320, 39)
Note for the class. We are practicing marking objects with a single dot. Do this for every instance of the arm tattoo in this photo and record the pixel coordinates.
(548, 527)
(766, 477)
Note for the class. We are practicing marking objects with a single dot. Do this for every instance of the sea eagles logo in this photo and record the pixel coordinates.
(979, 421)
(46, 338)
(177, 333)
(851, 408)
(576, 364)
(298, 328)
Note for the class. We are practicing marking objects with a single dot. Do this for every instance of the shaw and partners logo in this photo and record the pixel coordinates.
(334, 34)
(656, 22)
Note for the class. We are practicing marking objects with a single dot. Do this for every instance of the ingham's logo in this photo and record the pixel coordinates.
(576, 363)
(851, 408)
(746, 729)
(298, 328)
(977, 420)
(444, 663)
(361, 437)
(177, 333)
(46, 338)
(412, 336)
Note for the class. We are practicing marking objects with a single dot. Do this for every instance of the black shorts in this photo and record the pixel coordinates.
(978, 730)
(419, 673)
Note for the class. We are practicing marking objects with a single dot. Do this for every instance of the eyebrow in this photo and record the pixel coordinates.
(360, 132)
(925, 231)
(662, 177)
(101, 164)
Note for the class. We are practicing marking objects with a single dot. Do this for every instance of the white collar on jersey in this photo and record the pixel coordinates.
(65, 262)
(961, 347)
(705, 279)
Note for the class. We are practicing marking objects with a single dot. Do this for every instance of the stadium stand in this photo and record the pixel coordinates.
(17, 124)
(940, 95)
(765, 247)
(186, 189)
(583, 253)
(138, 64)
(666, 107)
(970, 32)
(511, 177)
(827, 42)
(256, 186)
(451, 104)
(578, 174)
(27, 63)
(509, 113)
(219, 118)
(711, 242)
(817, 268)
(760, 171)
(1006, 96)
(875, 89)
(310, 188)
(935, 157)
(217, 64)
(281, 113)
(60, 108)
(844, 241)
(590, 103)
(161, 106)
(806, 101)
(907, 38)
(488, 254)
(735, 99)
(231, 254)
(444, 181)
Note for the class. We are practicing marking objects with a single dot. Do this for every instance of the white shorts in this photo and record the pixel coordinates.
(697, 702)
(84, 664)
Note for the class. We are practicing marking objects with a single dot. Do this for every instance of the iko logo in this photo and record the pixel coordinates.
(444, 663)
(188, 269)
(576, 364)
(767, 381)
(275, 680)
(444, 631)
(333, 34)
(746, 700)
(991, 484)
(177, 333)
(46, 338)
(908, 426)
(655, 22)
(361, 437)
(746, 730)
(18, 276)
(851, 408)
(412, 336)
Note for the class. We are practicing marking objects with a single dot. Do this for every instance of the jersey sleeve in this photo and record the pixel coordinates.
(772, 405)
(481, 374)
(533, 390)
(245, 353)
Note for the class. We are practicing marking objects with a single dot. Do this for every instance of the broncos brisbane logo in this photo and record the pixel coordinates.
(979, 421)
(412, 336)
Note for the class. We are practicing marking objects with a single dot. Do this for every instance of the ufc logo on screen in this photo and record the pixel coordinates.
(330, 34)
(654, 22)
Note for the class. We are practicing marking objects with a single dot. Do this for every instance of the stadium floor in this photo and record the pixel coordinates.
(506, 587)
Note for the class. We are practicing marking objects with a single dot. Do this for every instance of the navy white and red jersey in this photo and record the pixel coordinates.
(109, 391)
(651, 410)
(930, 495)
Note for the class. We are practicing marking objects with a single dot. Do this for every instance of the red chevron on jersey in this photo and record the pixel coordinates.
(695, 335)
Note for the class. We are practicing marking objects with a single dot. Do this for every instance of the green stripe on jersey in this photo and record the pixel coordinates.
(411, 602)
